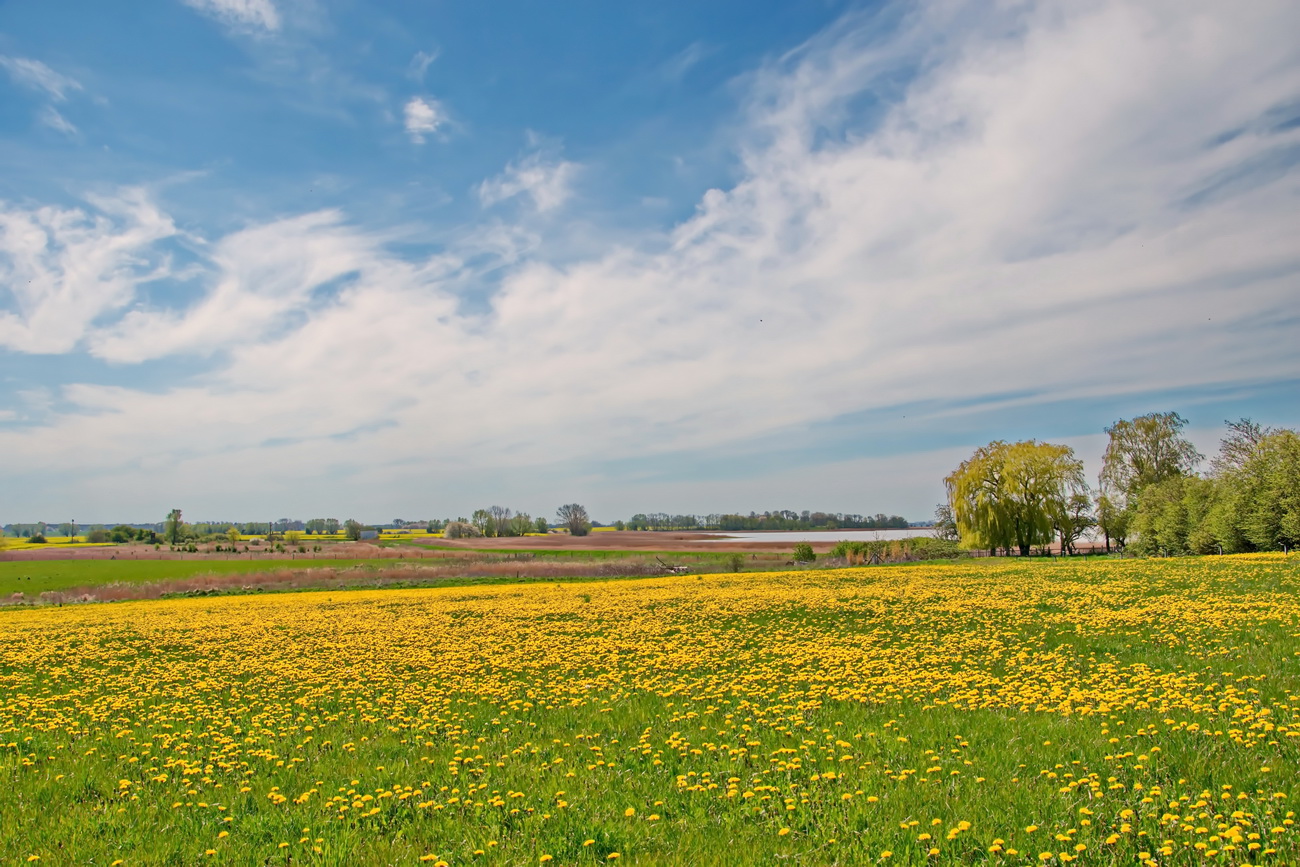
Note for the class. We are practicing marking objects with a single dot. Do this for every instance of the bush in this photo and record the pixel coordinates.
(803, 553)
(736, 561)
(460, 530)
(38, 539)
(97, 536)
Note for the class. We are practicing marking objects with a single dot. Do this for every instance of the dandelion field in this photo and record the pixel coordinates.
(1104, 712)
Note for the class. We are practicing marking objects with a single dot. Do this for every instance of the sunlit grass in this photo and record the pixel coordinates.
(994, 712)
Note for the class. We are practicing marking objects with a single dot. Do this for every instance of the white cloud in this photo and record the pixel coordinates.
(424, 116)
(548, 183)
(50, 117)
(260, 276)
(38, 76)
(1065, 203)
(65, 268)
(247, 16)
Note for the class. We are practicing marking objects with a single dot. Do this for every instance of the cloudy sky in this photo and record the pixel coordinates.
(264, 258)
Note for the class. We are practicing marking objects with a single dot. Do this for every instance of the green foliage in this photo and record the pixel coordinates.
(1251, 503)
(98, 536)
(803, 553)
(173, 527)
(1075, 519)
(352, 529)
(1269, 493)
(1113, 520)
(1012, 494)
(897, 550)
(1169, 512)
(736, 561)
(1146, 451)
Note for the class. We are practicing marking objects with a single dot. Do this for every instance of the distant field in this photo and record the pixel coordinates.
(32, 577)
(993, 712)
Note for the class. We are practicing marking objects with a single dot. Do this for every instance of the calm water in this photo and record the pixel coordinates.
(824, 535)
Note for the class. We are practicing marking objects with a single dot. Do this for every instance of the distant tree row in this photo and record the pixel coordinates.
(1021, 496)
(754, 521)
(500, 521)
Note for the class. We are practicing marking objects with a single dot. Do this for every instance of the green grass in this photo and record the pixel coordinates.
(33, 577)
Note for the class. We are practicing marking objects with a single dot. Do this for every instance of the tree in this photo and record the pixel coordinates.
(1075, 519)
(542, 526)
(1169, 513)
(352, 529)
(460, 530)
(1269, 499)
(1235, 449)
(575, 518)
(232, 535)
(945, 526)
(1113, 521)
(293, 537)
(173, 527)
(1145, 451)
(803, 553)
(1012, 494)
(500, 517)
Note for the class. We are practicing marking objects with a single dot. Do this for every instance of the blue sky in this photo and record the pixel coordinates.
(309, 258)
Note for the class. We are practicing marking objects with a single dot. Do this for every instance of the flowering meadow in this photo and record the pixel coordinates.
(1099, 712)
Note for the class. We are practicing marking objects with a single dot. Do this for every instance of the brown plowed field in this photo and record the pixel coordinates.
(621, 540)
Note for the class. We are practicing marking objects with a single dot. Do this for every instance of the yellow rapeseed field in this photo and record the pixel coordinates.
(1104, 712)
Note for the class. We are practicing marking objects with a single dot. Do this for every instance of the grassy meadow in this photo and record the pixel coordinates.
(32, 577)
(993, 712)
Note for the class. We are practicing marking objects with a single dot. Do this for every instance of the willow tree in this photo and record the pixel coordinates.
(1013, 494)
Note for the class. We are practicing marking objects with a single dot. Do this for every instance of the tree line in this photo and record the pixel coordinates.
(1149, 497)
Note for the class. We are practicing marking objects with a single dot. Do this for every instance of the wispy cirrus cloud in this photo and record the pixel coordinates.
(36, 75)
(420, 64)
(244, 16)
(64, 268)
(51, 117)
